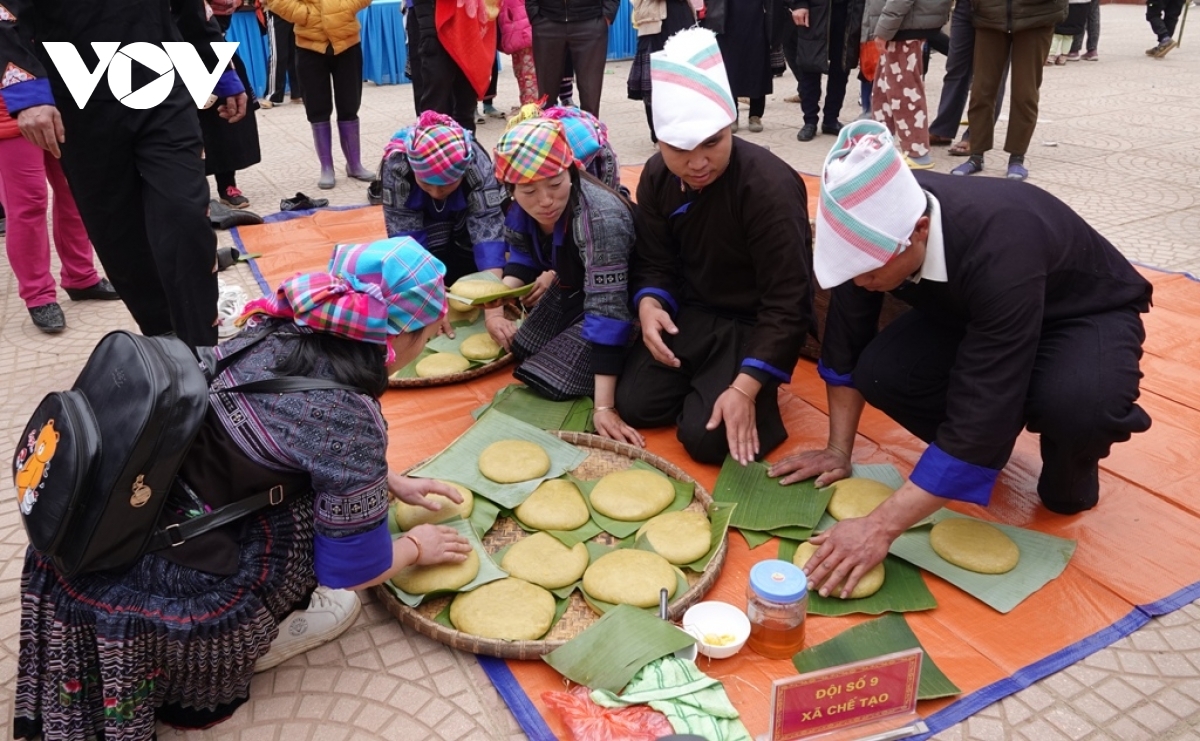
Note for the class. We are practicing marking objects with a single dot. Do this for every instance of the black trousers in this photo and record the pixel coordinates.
(586, 43)
(318, 71)
(1162, 16)
(960, 67)
(412, 45)
(710, 349)
(1081, 397)
(281, 65)
(444, 86)
(138, 179)
(809, 85)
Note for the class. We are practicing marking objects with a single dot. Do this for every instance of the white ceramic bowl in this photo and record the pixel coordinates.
(717, 618)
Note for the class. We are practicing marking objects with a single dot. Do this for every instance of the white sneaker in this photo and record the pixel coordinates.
(330, 612)
(231, 301)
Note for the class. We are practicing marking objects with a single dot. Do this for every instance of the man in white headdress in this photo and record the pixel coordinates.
(1023, 317)
(721, 272)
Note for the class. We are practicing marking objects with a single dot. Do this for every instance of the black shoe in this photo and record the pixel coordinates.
(223, 217)
(49, 318)
(102, 291)
(233, 198)
(301, 202)
(832, 128)
(807, 132)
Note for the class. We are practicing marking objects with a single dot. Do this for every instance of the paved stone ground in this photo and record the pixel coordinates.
(1116, 141)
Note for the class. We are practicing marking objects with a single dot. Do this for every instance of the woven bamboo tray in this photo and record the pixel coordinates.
(412, 383)
(605, 456)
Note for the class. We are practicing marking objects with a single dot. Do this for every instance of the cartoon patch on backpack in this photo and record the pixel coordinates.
(33, 465)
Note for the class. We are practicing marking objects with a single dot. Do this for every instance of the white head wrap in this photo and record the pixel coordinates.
(870, 203)
(691, 99)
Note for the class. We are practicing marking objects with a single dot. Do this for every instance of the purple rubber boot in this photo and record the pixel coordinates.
(348, 133)
(323, 141)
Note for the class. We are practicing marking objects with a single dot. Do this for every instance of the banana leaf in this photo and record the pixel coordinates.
(615, 648)
(488, 570)
(1043, 558)
(620, 528)
(765, 505)
(460, 461)
(718, 520)
(903, 590)
(878, 637)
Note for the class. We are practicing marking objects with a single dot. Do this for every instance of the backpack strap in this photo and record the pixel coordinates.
(179, 533)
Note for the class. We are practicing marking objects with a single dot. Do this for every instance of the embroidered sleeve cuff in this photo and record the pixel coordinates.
(229, 84)
(663, 297)
(605, 331)
(27, 94)
(943, 475)
(354, 559)
(525, 273)
(490, 255)
(755, 364)
(832, 377)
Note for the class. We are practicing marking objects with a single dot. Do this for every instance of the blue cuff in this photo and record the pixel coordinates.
(489, 255)
(832, 377)
(762, 365)
(354, 559)
(605, 331)
(660, 294)
(943, 475)
(517, 257)
(229, 84)
(27, 94)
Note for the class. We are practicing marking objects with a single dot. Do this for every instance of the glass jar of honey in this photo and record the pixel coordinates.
(776, 603)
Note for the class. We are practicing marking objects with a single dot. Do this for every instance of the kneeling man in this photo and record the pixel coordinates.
(1023, 317)
(721, 271)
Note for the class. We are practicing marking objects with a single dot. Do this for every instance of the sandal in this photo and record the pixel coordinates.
(970, 167)
(961, 149)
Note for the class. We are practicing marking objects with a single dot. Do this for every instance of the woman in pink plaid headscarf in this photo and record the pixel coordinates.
(246, 597)
(438, 187)
(572, 236)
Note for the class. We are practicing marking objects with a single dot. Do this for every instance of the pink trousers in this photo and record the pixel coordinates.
(24, 170)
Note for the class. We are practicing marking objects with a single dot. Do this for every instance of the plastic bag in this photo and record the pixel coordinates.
(587, 721)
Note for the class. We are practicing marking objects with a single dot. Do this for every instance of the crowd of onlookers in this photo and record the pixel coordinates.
(558, 50)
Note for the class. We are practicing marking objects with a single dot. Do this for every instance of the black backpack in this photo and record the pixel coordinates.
(95, 463)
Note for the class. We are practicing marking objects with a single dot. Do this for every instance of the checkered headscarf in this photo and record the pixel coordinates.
(438, 149)
(586, 133)
(369, 293)
(533, 150)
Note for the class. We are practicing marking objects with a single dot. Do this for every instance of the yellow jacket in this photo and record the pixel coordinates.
(321, 23)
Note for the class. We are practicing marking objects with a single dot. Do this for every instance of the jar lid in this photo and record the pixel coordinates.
(778, 581)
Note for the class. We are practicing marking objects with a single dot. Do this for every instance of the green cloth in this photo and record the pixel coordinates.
(692, 701)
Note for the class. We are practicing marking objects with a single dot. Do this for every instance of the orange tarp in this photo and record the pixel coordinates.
(1136, 555)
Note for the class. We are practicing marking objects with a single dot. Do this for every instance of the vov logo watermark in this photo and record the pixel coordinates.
(173, 57)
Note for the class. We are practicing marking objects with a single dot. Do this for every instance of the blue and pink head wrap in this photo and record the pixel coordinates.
(870, 203)
(586, 134)
(438, 149)
(369, 293)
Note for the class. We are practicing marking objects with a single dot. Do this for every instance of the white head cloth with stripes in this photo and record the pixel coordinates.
(690, 95)
(870, 203)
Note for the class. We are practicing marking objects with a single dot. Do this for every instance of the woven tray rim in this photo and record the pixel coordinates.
(467, 375)
(411, 618)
